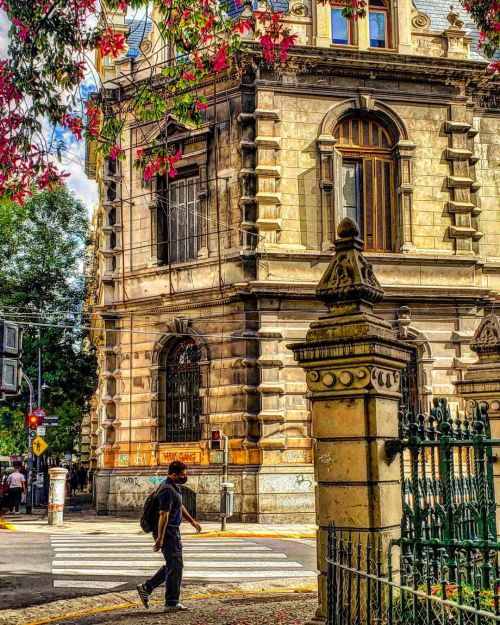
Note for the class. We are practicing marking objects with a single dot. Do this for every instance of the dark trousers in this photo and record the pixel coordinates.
(15, 495)
(171, 573)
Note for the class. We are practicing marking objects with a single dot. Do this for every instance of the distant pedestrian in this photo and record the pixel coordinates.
(73, 481)
(16, 484)
(82, 477)
(167, 537)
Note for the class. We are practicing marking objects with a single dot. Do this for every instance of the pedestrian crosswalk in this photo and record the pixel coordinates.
(110, 561)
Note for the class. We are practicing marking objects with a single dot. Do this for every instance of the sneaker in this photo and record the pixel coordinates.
(178, 607)
(143, 595)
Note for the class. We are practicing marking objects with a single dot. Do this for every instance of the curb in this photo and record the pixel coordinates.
(198, 597)
(230, 534)
(6, 526)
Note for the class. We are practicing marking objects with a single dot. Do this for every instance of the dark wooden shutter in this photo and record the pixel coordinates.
(369, 204)
(162, 221)
(377, 183)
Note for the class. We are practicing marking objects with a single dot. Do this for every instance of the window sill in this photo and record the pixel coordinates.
(384, 50)
(343, 46)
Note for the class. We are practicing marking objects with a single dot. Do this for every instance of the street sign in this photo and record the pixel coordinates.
(39, 446)
(39, 413)
(50, 420)
(41, 430)
(39, 480)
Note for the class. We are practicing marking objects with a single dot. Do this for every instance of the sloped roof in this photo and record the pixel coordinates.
(438, 10)
(139, 30)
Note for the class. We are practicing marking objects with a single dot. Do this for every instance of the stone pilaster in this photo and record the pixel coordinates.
(268, 170)
(481, 383)
(352, 362)
(462, 205)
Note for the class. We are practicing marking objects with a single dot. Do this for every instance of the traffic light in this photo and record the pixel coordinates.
(216, 440)
(33, 420)
(10, 357)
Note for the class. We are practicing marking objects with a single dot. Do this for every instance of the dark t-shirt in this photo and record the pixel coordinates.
(170, 500)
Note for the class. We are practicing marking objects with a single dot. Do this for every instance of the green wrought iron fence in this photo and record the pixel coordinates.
(447, 487)
(363, 588)
(443, 569)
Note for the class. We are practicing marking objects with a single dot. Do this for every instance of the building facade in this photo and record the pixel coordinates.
(201, 281)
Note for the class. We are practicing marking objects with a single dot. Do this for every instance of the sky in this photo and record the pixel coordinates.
(73, 161)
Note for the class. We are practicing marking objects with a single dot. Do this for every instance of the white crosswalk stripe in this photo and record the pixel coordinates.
(121, 557)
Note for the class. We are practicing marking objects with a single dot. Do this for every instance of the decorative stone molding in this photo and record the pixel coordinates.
(299, 9)
(458, 44)
(268, 173)
(349, 276)
(248, 152)
(486, 340)
(421, 21)
(461, 183)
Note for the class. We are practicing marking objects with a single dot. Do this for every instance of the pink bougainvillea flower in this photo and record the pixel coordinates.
(115, 152)
(24, 29)
(241, 27)
(111, 43)
(188, 76)
(221, 60)
(201, 106)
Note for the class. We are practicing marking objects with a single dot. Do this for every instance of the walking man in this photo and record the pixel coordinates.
(168, 539)
(16, 484)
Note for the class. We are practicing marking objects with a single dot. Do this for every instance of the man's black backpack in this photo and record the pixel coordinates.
(151, 510)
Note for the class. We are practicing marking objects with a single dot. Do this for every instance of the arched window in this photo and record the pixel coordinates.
(367, 180)
(378, 16)
(182, 398)
(342, 28)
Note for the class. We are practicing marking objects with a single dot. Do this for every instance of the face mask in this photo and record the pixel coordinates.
(182, 480)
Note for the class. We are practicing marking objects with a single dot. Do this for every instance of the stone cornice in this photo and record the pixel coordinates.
(314, 61)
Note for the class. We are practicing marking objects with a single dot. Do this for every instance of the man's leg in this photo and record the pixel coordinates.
(17, 498)
(174, 578)
(157, 580)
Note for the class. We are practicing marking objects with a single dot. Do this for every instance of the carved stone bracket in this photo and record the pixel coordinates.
(462, 185)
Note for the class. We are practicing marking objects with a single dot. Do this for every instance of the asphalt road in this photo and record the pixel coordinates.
(28, 560)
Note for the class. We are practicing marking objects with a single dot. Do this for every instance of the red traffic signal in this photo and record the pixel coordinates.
(216, 439)
(33, 420)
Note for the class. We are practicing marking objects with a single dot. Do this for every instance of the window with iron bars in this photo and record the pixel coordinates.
(178, 219)
(183, 403)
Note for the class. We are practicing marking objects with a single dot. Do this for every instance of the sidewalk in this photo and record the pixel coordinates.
(86, 521)
(249, 604)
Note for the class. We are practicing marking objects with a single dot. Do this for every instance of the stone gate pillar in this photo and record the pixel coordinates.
(481, 384)
(352, 362)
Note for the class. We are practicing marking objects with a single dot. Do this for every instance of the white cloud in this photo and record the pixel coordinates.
(73, 163)
(4, 34)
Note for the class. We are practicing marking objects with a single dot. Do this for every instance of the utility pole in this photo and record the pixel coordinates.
(39, 402)
(225, 454)
(30, 490)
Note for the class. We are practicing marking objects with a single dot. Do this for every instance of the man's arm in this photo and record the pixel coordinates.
(162, 526)
(190, 519)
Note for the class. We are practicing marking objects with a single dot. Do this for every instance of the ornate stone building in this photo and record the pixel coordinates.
(203, 280)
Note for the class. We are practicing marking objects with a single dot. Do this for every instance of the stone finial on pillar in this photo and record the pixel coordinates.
(353, 363)
(247, 15)
(350, 289)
